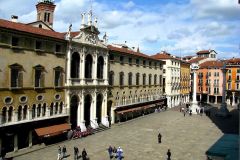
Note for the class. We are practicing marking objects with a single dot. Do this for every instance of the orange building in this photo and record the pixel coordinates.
(233, 81)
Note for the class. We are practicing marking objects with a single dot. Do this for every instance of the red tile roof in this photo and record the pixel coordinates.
(204, 52)
(196, 59)
(30, 29)
(211, 64)
(164, 55)
(127, 51)
(233, 61)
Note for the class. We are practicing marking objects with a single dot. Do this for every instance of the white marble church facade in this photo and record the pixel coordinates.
(87, 76)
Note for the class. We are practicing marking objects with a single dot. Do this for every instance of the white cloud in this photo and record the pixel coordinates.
(128, 5)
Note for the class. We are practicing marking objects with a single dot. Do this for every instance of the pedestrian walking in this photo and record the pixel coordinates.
(64, 151)
(184, 113)
(190, 112)
(76, 152)
(119, 153)
(169, 154)
(159, 138)
(84, 154)
(110, 152)
(59, 153)
(201, 111)
(114, 152)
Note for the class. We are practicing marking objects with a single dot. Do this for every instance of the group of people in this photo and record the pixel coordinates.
(115, 153)
(185, 111)
(62, 153)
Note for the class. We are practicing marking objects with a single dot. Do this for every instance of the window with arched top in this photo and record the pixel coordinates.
(88, 66)
(150, 79)
(100, 67)
(155, 79)
(4, 114)
(121, 78)
(75, 65)
(34, 111)
(130, 78)
(61, 107)
(19, 113)
(144, 79)
(137, 78)
(38, 110)
(56, 108)
(51, 109)
(10, 114)
(44, 108)
(25, 108)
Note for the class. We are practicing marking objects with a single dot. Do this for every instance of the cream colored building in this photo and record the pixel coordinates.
(87, 76)
(32, 76)
(136, 83)
(171, 76)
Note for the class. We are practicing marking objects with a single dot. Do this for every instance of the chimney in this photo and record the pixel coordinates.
(14, 18)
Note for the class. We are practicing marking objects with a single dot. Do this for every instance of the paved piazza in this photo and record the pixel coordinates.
(187, 137)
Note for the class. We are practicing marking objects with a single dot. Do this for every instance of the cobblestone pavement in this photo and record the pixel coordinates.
(187, 137)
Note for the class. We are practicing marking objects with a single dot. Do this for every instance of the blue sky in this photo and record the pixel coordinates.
(180, 27)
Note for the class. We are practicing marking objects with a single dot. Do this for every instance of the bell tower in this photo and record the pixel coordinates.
(45, 11)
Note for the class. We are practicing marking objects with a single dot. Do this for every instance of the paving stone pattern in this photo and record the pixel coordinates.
(187, 137)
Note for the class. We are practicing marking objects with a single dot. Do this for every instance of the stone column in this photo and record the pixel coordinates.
(223, 111)
(194, 104)
(82, 68)
(200, 97)
(79, 114)
(30, 139)
(105, 70)
(68, 59)
(215, 100)
(15, 142)
(93, 117)
(104, 110)
(233, 101)
(81, 123)
(94, 68)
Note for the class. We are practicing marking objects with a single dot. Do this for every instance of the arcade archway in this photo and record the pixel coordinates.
(87, 109)
(73, 111)
(99, 108)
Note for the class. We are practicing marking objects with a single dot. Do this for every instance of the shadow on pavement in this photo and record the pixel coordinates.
(228, 125)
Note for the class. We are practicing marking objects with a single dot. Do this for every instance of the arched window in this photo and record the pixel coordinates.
(44, 109)
(34, 111)
(19, 113)
(155, 79)
(121, 78)
(51, 109)
(75, 62)
(100, 65)
(4, 115)
(130, 78)
(10, 114)
(38, 110)
(150, 79)
(61, 107)
(137, 78)
(111, 78)
(88, 66)
(56, 108)
(144, 79)
(25, 112)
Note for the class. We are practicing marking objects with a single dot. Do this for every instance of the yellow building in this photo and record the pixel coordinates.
(185, 81)
(32, 64)
(233, 81)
